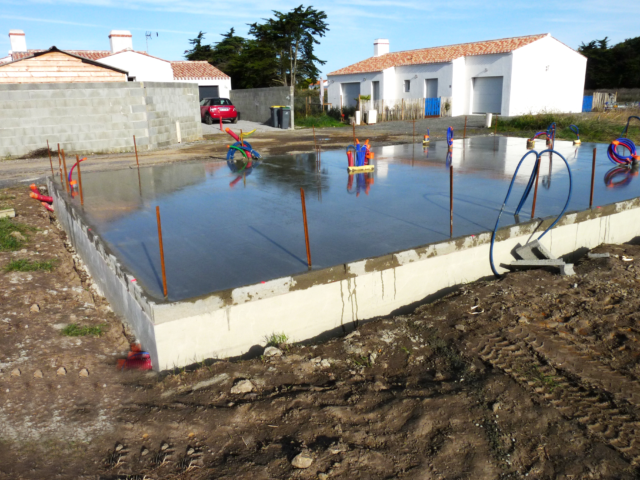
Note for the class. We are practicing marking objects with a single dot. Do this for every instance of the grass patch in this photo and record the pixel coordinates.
(25, 265)
(321, 121)
(75, 330)
(594, 127)
(8, 241)
(277, 339)
(361, 361)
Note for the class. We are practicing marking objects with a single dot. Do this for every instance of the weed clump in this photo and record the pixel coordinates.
(13, 235)
(277, 340)
(320, 121)
(75, 330)
(24, 265)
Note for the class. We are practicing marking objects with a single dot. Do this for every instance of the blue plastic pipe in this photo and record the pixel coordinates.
(566, 205)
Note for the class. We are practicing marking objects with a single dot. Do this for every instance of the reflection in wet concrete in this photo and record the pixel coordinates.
(620, 177)
(225, 228)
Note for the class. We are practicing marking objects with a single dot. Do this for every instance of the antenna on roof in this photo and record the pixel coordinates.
(149, 36)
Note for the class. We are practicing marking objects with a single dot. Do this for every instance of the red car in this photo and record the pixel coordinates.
(215, 108)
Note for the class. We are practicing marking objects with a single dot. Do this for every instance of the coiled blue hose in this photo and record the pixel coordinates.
(566, 205)
(450, 136)
(246, 147)
(617, 157)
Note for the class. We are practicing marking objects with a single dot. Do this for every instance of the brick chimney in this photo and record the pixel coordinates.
(120, 40)
(380, 46)
(18, 41)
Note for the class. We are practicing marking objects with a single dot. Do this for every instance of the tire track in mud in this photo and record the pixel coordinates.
(592, 407)
(583, 365)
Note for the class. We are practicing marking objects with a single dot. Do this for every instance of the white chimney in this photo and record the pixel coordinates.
(18, 41)
(120, 40)
(380, 46)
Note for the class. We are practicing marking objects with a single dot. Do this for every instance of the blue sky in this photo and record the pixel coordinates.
(408, 24)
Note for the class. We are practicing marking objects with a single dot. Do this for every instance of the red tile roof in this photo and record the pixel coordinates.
(89, 54)
(187, 70)
(437, 54)
(182, 70)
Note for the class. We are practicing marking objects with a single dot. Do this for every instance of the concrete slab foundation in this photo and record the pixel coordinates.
(233, 321)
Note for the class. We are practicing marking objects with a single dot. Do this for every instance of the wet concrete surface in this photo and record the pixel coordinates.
(224, 229)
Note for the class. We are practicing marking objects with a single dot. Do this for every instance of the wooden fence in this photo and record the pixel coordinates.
(600, 99)
(403, 109)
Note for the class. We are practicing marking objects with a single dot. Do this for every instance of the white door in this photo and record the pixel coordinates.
(487, 95)
(350, 94)
(431, 88)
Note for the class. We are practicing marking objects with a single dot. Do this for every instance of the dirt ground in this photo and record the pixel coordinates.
(532, 375)
(214, 147)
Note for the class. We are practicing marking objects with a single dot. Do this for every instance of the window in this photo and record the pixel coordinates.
(204, 102)
(407, 85)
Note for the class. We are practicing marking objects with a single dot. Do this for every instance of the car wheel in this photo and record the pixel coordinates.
(208, 120)
(235, 120)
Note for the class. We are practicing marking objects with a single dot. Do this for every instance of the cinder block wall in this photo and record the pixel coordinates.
(253, 103)
(90, 118)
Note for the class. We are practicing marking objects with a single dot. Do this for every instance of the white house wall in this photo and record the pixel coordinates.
(223, 84)
(458, 86)
(547, 76)
(440, 71)
(143, 67)
(364, 79)
(496, 65)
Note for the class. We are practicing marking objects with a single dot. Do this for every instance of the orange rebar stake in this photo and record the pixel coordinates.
(164, 273)
(306, 228)
(50, 162)
(79, 180)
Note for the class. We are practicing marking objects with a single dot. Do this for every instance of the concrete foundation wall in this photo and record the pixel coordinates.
(303, 307)
(232, 322)
(125, 297)
(97, 117)
(253, 103)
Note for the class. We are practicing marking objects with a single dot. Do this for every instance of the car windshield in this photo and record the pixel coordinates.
(220, 101)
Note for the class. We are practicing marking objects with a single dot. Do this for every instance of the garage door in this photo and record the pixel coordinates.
(487, 95)
(350, 94)
(209, 92)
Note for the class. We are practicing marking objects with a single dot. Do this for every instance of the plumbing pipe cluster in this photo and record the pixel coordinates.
(425, 140)
(576, 130)
(43, 199)
(550, 133)
(615, 152)
(241, 146)
(360, 154)
(526, 194)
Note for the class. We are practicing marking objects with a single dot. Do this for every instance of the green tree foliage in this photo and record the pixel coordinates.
(280, 51)
(198, 51)
(612, 67)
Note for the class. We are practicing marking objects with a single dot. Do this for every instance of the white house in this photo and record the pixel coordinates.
(510, 76)
(140, 66)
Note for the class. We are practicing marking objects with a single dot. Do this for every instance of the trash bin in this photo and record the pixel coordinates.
(284, 116)
(274, 116)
